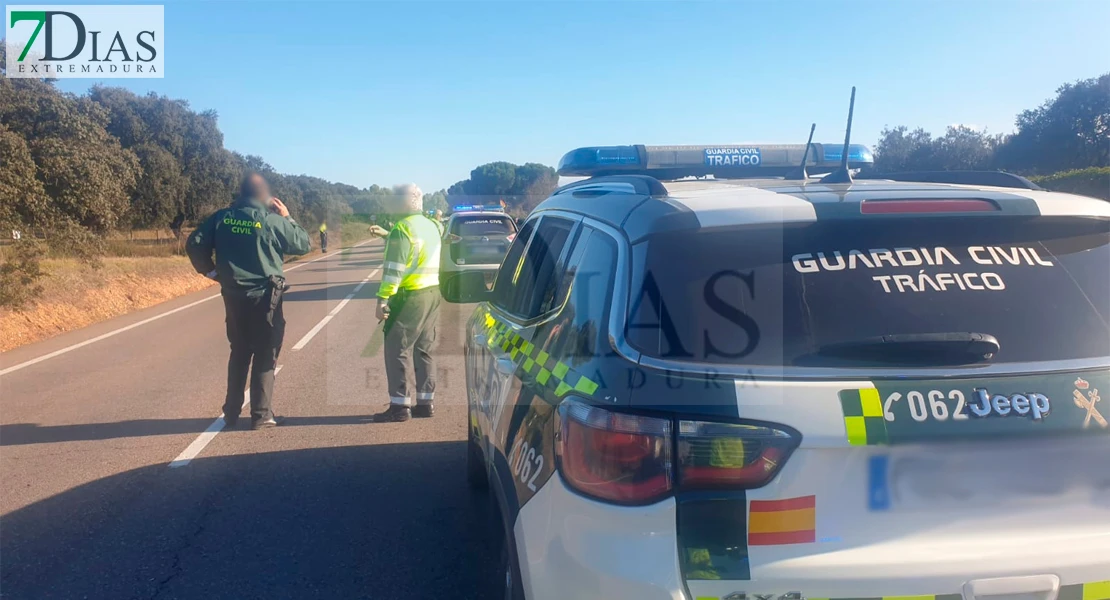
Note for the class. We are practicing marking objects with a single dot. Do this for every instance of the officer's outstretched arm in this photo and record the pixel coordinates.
(292, 237)
(201, 244)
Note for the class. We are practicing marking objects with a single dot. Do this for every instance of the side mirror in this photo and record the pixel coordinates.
(465, 287)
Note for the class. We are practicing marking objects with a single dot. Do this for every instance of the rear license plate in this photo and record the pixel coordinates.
(486, 253)
(976, 474)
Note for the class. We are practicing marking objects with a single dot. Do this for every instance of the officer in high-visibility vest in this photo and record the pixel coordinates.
(323, 237)
(408, 301)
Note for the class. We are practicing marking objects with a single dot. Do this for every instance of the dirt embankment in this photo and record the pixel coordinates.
(76, 295)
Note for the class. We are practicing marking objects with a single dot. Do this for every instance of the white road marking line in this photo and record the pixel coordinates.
(340, 251)
(105, 336)
(341, 304)
(312, 333)
(206, 437)
(335, 311)
(209, 434)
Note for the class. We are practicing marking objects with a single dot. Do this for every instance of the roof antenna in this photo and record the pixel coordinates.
(801, 172)
(842, 175)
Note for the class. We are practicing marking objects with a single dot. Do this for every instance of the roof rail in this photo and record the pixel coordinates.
(991, 178)
(639, 184)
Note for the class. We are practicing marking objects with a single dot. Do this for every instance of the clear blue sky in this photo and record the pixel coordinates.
(384, 92)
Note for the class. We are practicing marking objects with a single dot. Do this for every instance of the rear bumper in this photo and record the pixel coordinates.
(571, 547)
(927, 542)
(931, 567)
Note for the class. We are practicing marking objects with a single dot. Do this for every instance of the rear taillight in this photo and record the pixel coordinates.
(627, 459)
(927, 205)
(453, 239)
(614, 456)
(730, 455)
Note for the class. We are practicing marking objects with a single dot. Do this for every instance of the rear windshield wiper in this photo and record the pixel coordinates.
(957, 347)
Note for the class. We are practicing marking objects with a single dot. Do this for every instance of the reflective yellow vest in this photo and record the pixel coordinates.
(411, 256)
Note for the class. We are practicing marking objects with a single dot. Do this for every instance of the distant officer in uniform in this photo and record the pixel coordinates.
(323, 237)
(408, 301)
(250, 240)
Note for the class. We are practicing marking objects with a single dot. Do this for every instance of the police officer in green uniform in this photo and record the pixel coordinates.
(408, 301)
(250, 240)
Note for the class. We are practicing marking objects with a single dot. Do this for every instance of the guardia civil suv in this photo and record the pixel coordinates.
(702, 374)
(475, 238)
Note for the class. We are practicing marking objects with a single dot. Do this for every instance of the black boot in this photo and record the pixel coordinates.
(424, 410)
(396, 413)
(268, 423)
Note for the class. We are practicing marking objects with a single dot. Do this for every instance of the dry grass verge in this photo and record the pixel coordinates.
(76, 295)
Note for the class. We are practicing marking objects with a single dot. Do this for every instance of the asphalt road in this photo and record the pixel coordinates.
(329, 505)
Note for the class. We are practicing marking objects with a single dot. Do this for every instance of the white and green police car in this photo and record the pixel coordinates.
(728, 387)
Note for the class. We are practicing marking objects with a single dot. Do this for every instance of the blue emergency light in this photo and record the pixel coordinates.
(475, 207)
(725, 161)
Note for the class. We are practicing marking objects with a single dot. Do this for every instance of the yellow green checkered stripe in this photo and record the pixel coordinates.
(1100, 590)
(1083, 591)
(940, 597)
(863, 417)
(548, 371)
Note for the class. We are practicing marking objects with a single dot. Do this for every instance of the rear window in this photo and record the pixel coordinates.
(782, 296)
(482, 225)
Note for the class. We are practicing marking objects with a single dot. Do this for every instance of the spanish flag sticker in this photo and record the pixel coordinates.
(776, 522)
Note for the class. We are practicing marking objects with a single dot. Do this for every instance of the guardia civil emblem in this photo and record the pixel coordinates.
(1087, 400)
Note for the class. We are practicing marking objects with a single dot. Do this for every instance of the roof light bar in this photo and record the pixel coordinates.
(676, 162)
(475, 207)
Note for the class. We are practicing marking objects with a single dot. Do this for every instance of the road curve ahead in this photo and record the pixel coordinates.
(329, 505)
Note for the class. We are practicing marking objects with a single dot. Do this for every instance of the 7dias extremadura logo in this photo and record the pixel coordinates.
(85, 41)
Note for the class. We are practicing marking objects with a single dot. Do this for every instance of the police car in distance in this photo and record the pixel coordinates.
(738, 386)
(475, 239)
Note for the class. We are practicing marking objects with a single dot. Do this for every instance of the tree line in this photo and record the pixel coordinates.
(1065, 140)
(83, 166)
(520, 187)
(1068, 132)
(80, 167)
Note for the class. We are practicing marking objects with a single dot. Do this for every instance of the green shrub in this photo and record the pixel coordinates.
(20, 274)
(1092, 181)
(67, 239)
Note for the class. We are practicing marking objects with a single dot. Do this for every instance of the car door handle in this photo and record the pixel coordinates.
(505, 365)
